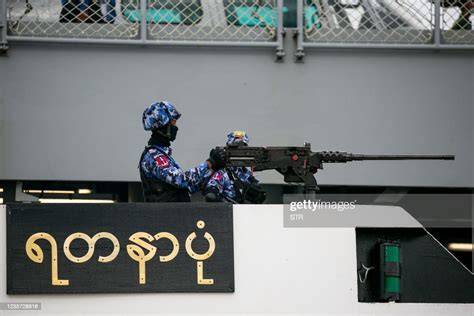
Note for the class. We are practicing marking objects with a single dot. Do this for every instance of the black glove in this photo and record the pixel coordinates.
(217, 158)
(211, 195)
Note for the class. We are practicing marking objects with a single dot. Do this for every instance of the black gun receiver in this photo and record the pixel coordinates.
(298, 164)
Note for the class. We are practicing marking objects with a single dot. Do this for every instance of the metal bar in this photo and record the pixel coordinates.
(299, 29)
(140, 42)
(401, 157)
(280, 27)
(3, 25)
(143, 24)
(437, 23)
(388, 46)
(237, 44)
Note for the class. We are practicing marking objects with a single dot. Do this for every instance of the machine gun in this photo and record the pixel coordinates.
(298, 164)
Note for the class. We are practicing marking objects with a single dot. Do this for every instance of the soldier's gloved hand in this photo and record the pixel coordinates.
(211, 195)
(217, 159)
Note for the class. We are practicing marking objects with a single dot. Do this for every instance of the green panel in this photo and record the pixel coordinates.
(246, 15)
(311, 17)
(255, 13)
(153, 15)
(392, 284)
(289, 13)
(163, 16)
(132, 15)
(268, 15)
(164, 11)
(392, 253)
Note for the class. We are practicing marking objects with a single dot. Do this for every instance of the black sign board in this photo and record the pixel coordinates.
(112, 248)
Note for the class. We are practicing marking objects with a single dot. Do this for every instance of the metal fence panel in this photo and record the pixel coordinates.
(456, 21)
(94, 19)
(368, 21)
(166, 20)
(321, 23)
(216, 20)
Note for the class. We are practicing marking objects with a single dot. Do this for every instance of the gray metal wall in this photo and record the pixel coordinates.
(70, 112)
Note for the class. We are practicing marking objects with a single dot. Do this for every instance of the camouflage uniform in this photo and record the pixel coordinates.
(162, 178)
(158, 163)
(223, 181)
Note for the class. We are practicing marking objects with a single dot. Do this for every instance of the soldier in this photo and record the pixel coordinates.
(234, 184)
(162, 178)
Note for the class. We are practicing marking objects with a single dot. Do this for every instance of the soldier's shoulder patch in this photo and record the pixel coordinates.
(217, 176)
(161, 160)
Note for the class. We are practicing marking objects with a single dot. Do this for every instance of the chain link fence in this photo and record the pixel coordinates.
(368, 21)
(387, 21)
(168, 20)
(211, 20)
(457, 19)
(94, 19)
(404, 22)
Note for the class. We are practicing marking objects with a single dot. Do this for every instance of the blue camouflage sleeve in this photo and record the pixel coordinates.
(245, 175)
(221, 182)
(198, 176)
(156, 164)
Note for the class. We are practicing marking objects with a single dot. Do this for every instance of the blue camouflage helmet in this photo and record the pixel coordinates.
(158, 115)
(237, 138)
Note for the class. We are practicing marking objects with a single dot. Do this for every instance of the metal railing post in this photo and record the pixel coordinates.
(299, 30)
(143, 24)
(3, 25)
(437, 23)
(280, 53)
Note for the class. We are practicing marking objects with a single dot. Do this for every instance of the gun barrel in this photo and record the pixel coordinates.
(402, 157)
(341, 156)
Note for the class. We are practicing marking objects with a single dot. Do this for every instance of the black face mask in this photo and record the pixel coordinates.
(173, 130)
(163, 136)
(169, 132)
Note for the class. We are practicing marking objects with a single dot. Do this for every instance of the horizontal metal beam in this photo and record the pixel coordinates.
(389, 46)
(140, 42)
